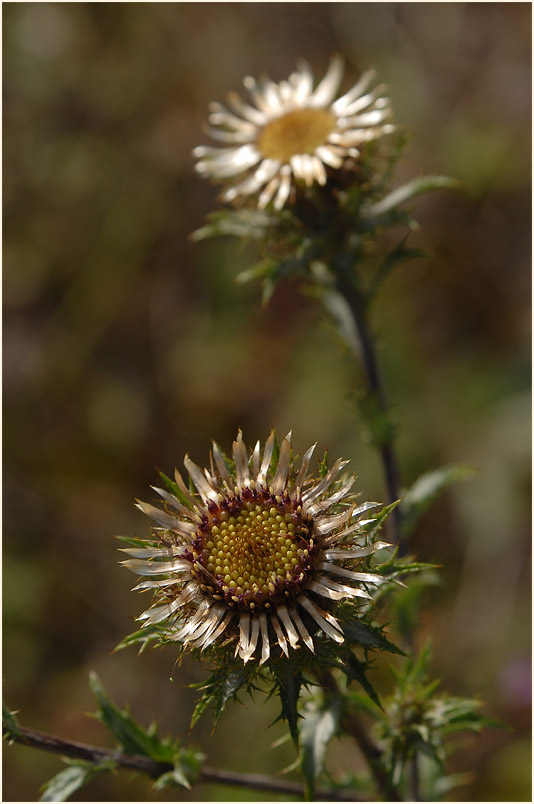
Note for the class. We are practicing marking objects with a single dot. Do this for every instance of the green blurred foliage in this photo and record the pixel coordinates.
(126, 345)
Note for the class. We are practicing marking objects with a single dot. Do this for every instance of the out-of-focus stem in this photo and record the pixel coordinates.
(370, 749)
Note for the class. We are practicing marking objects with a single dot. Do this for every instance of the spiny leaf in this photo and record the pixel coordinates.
(224, 684)
(395, 257)
(143, 637)
(175, 489)
(9, 722)
(252, 223)
(132, 738)
(132, 542)
(354, 669)
(427, 488)
(187, 764)
(409, 190)
(67, 781)
(259, 271)
(318, 725)
(288, 688)
(395, 569)
(378, 423)
(374, 528)
(338, 308)
(174, 777)
(369, 636)
(323, 465)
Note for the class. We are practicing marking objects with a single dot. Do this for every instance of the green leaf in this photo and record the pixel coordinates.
(426, 489)
(132, 738)
(395, 257)
(339, 310)
(261, 270)
(354, 669)
(143, 637)
(64, 784)
(369, 637)
(175, 489)
(252, 223)
(288, 687)
(9, 722)
(174, 777)
(378, 423)
(395, 569)
(408, 191)
(374, 528)
(318, 725)
(406, 602)
(224, 684)
(132, 542)
(323, 465)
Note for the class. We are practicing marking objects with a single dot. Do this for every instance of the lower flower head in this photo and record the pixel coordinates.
(259, 553)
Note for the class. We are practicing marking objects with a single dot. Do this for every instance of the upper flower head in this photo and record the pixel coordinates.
(256, 552)
(292, 132)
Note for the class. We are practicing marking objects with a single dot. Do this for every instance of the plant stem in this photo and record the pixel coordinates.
(414, 779)
(143, 764)
(375, 387)
(372, 752)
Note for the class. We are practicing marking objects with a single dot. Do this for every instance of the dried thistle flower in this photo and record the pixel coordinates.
(292, 133)
(250, 554)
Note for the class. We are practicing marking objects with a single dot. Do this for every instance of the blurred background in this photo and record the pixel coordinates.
(126, 345)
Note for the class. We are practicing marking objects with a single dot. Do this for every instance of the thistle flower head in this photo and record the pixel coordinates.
(291, 133)
(258, 553)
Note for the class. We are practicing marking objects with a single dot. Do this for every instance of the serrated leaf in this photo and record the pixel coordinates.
(224, 684)
(323, 465)
(252, 223)
(142, 637)
(338, 308)
(427, 488)
(369, 637)
(132, 738)
(288, 688)
(394, 569)
(132, 542)
(408, 191)
(68, 781)
(175, 489)
(378, 423)
(354, 669)
(401, 253)
(175, 777)
(259, 271)
(373, 529)
(317, 727)
(9, 722)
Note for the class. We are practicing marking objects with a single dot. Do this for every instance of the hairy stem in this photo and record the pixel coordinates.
(143, 764)
(372, 752)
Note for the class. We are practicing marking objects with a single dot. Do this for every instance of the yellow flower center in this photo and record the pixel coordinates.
(254, 555)
(297, 132)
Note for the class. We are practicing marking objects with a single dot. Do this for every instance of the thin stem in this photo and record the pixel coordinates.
(372, 752)
(414, 778)
(143, 764)
(375, 386)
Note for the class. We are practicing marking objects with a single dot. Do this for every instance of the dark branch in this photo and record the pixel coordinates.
(143, 764)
